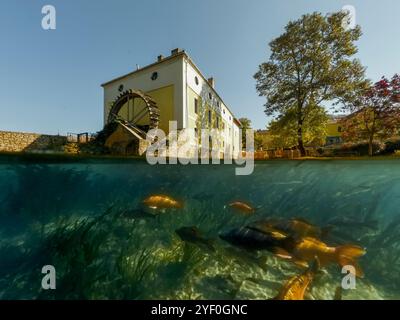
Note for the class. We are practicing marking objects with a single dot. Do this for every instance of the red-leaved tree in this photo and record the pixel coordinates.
(375, 114)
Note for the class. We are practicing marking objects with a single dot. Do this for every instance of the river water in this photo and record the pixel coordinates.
(73, 215)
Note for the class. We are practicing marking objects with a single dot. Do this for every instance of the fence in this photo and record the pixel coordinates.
(84, 137)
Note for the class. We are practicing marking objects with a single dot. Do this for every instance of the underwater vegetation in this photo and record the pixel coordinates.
(132, 231)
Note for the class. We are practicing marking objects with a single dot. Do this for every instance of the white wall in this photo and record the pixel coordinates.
(203, 89)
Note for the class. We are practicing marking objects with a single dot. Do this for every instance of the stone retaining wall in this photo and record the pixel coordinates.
(30, 142)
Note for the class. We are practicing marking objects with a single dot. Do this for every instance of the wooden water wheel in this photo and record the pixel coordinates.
(141, 111)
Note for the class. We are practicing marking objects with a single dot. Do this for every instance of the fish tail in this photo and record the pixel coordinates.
(348, 254)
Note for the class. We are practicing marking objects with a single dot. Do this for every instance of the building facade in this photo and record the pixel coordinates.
(182, 94)
(334, 131)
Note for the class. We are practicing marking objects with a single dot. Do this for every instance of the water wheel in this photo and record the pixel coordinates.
(135, 109)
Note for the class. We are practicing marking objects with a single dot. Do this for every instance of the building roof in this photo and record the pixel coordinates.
(178, 54)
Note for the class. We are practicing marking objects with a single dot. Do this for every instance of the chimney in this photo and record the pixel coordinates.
(175, 51)
(211, 82)
(160, 58)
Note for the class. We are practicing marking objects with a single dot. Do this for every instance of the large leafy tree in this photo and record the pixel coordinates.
(311, 62)
(375, 114)
(284, 129)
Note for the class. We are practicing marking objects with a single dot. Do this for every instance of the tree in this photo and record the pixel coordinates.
(246, 124)
(311, 62)
(284, 128)
(375, 114)
(262, 140)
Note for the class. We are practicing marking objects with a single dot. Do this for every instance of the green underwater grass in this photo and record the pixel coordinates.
(66, 219)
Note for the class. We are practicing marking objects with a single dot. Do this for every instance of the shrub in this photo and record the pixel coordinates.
(360, 148)
(391, 146)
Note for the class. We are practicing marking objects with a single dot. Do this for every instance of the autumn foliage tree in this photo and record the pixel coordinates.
(311, 62)
(375, 114)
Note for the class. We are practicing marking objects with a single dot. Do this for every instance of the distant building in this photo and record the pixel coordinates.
(173, 89)
(334, 130)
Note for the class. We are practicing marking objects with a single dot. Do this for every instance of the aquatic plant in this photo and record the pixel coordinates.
(134, 268)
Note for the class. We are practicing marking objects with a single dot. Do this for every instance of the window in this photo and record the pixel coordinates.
(217, 124)
(230, 118)
(218, 104)
(196, 80)
(223, 125)
(196, 106)
(223, 110)
(209, 116)
(154, 76)
(121, 88)
(210, 95)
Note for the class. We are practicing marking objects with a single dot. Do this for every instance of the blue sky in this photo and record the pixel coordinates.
(50, 80)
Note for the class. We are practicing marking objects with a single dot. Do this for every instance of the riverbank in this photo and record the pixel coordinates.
(68, 157)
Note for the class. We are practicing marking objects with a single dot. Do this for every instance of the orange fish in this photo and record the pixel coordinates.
(161, 201)
(295, 227)
(242, 207)
(295, 287)
(308, 248)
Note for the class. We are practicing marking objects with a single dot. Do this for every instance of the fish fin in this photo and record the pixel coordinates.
(338, 293)
(281, 253)
(300, 263)
(347, 255)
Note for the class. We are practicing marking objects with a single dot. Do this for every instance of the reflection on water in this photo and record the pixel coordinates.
(85, 219)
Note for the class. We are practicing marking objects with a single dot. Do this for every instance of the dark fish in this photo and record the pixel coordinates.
(254, 239)
(193, 235)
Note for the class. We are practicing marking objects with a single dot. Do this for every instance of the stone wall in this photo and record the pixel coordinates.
(30, 142)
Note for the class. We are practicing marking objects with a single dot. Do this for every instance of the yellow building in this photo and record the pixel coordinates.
(334, 131)
(171, 88)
